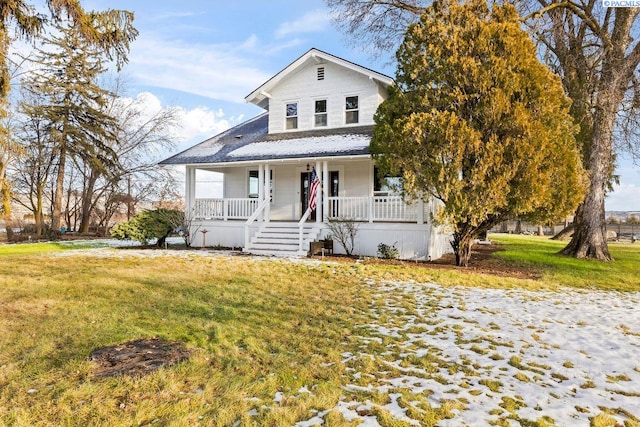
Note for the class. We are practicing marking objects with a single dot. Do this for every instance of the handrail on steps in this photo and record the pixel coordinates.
(301, 227)
(252, 218)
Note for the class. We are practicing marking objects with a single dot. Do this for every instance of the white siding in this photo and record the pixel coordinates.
(303, 87)
(414, 241)
(356, 181)
(236, 181)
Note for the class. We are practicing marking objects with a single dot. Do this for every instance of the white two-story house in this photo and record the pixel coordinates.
(318, 114)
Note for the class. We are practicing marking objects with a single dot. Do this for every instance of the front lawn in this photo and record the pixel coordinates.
(541, 253)
(279, 342)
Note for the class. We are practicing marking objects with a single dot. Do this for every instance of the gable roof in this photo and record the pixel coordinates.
(251, 141)
(260, 95)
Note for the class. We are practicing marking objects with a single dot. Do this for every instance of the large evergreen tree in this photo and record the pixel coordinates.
(72, 102)
(109, 31)
(478, 122)
(596, 52)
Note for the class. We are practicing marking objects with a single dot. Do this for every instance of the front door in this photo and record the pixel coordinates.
(334, 189)
(305, 186)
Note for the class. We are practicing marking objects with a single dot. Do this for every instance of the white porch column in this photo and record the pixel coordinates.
(190, 188)
(325, 190)
(267, 191)
(420, 211)
(320, 200)
(261, 188)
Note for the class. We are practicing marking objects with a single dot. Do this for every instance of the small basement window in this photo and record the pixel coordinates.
(292, 115)
(321, 113)
(351, 109)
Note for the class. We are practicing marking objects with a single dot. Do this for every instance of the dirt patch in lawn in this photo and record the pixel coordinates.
(138, 357)
(483, 260)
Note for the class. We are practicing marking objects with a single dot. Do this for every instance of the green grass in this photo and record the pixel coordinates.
(45, 247)
(255, 328)
(541, 254)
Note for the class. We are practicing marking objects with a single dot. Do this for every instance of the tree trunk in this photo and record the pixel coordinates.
(589, 239)
(87, 196)
(6, 201)
(540, 230)
(565, 233)
(518, 229)
(461, 244)
(56, 213)
(38, 214)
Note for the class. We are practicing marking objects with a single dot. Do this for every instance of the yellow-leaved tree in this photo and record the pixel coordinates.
(477, 122)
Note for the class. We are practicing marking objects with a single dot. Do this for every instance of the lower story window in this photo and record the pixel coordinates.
(386, 185)
(254, 184)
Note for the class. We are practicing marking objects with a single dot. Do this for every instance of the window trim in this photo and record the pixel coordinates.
(316, 114)
(287, 116)
(256, 173)
(382, 188)
(353, 110)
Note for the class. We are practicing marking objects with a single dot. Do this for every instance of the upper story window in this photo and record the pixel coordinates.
(321, 113)
(292, 115)
(351, 109)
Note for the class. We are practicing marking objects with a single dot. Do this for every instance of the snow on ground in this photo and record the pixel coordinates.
(477, 356)
(499, 354)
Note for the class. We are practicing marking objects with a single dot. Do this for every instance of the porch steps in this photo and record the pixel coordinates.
(281, 239)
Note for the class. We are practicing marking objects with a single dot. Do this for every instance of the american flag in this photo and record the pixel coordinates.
(313, 191)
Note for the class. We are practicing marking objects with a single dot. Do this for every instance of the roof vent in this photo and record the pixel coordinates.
(238, 136)
(320, 73)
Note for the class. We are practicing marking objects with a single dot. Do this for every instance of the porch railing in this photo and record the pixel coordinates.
(371, 209)
(259, 209)
(225, 208)
(377, 208)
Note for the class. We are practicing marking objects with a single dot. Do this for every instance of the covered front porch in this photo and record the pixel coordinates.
(348, 191)
(263, 208)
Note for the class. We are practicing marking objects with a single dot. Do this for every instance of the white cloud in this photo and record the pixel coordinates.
(201, 122)
(314, 21)
(218, 71)
(625, 197)
(192, 125)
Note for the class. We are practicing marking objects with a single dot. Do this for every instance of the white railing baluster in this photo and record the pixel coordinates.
(372, 209)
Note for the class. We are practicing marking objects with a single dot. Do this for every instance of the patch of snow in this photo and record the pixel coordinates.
(304, 146)
(206, 148)
(315, 421)
(578, 349)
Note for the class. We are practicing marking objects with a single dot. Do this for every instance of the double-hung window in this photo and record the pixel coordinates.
(386, 185)
(321, 113)
(292, 115)
(254, 184)
(351, 109)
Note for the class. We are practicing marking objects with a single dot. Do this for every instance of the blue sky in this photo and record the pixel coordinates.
(204, 56)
